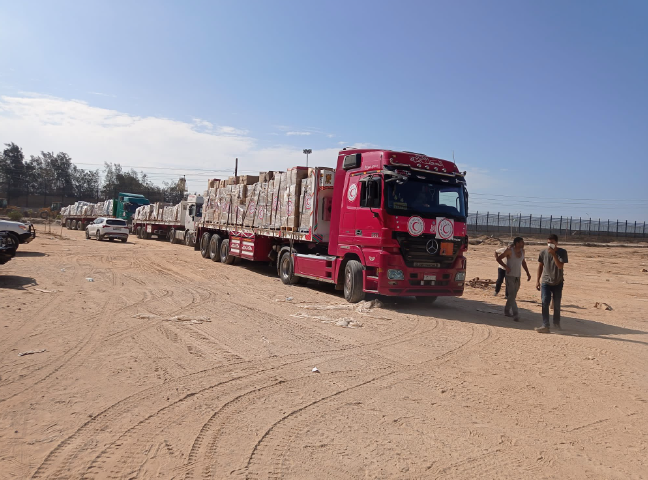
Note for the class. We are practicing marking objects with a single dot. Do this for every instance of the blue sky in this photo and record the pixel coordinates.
(543, 102)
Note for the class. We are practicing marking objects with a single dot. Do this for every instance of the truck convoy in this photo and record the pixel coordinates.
(383, 222)
(79, 215)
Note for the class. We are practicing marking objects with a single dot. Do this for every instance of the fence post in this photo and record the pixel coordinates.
(529, 223)
(540, 229)
(560, 226)
(571, 226)
(550, 222)
(487, 214)
(476, 218)
(589, 227)
(634, 230)
(498, 222)
(519, 223)
(625, 233)
(617, 228)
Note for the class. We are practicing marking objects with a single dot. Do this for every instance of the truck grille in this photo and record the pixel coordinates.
(424, 251)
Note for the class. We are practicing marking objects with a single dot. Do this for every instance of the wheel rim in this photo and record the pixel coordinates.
(348, 279)
(285, 266)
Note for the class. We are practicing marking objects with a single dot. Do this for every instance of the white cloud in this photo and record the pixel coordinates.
(92, 135)
(291, 134)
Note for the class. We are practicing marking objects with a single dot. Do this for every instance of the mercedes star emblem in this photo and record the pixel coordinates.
(432, 247)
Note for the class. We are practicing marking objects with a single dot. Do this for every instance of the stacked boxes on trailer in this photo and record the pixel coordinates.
(79, 214)
(175, 222)
(391, 223)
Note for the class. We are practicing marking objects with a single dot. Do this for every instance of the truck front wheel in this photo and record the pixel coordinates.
(204, 244)
(214, 248)
(172, 236)
(225, 256)
(353, 291)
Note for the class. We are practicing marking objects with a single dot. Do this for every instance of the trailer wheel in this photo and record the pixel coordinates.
(287, 269)
(204, 244)
(225, 257)
(139, 232)
(73, 225)
(353, 291)
(428, 300)
(79, 225)
(214, 248)
(67, 223)
(172, 236)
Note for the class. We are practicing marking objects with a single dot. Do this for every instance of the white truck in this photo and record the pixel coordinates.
(175, 223)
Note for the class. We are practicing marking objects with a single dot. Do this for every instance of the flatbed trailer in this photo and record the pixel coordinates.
(80, 222)
(178, 230)
(379, 238)
(146, 229)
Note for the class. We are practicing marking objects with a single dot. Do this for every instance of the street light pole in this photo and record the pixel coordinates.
(307, 151)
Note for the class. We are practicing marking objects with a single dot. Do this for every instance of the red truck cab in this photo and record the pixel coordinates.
(398, 227)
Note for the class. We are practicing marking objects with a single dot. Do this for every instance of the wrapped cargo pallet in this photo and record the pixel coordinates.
(225, 198)
(252, 204)
(277, 198)
(290, 205)
(316, 200)
(239, 195)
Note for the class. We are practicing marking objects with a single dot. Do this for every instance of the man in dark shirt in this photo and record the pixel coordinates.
(551, 263)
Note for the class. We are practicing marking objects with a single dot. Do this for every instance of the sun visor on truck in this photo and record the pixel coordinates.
(352, 161)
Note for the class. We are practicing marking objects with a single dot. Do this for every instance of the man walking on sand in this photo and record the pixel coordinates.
(514, 262)
(550, 281)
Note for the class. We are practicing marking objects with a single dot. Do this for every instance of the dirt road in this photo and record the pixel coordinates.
(127, 389)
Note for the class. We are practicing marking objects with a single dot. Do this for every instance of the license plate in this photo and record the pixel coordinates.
(429, 277)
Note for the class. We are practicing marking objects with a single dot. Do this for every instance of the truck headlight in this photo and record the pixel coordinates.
(395, 275)
(460, 276)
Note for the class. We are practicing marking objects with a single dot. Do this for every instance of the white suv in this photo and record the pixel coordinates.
(110, 228)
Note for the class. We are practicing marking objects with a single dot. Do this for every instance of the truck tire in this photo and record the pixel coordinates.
(204, 244)
(111, 239)
(73, 225)
(172, 236)
(428, 300)
(353, 291)
(80, 225)
(287, 269)
(214, 248)
(187, 238)
(67, 223)
(225, 257)
(139, 232)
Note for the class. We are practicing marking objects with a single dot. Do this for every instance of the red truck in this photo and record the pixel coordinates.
(383, 222)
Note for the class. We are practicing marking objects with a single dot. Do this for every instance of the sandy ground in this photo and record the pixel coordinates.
(453, 390)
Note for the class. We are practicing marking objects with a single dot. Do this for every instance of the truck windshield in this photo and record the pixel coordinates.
(424, 198)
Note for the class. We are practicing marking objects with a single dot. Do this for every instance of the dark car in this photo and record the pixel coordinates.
(7, 248)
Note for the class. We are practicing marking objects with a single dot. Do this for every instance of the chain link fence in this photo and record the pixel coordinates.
(518, 224)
